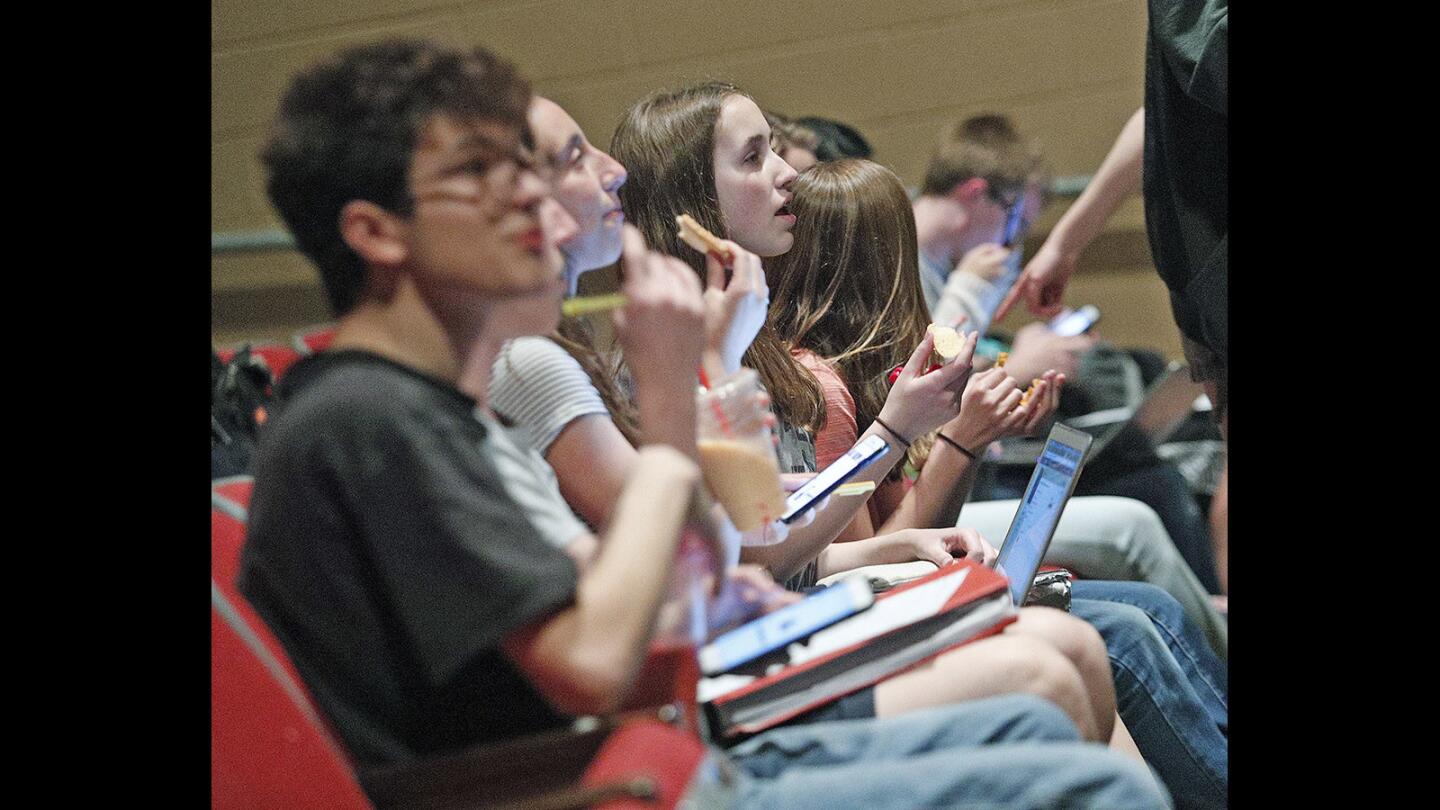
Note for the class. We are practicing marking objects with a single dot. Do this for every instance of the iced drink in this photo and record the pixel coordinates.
(737, 451)
(745, 480)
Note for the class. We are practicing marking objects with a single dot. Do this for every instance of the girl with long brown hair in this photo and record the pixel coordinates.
(847, 301)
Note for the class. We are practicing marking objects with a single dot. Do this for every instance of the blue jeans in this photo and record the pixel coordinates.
(1014, 751)
(1177, 730)
(1205, 671)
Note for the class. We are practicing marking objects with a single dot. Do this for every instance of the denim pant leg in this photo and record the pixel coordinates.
(1005, 718)
(1163, 712)
(1111, 538)
(1004, 776)
(1207, 674)
(1014, 751)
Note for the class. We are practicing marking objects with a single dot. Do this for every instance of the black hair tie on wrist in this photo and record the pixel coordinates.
(957, 446)
(893, 432)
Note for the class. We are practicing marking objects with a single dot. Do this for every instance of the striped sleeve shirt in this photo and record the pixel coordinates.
(540, 388)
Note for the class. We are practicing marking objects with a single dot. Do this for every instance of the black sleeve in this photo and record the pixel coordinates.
(456, 556)
(1193, 39)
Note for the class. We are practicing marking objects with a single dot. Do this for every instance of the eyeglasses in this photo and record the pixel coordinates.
(489, 172)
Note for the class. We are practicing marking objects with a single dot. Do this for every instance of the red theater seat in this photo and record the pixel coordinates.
(235, 489)
(268, 748)
(229, 500)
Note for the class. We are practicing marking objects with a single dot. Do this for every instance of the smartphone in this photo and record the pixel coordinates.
(1013, 220)
(840, 471)
(791, 623)
(1075, 321)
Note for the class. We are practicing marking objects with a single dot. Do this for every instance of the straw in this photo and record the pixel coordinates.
(589, 304)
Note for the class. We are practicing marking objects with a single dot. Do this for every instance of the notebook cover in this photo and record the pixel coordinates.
(980, 584)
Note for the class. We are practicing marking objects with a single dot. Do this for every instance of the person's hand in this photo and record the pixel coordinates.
(986, 261)
(918, 402)
(748, 591)
(945, 546)
(1042, 284)
(794, 481)
(777, 531)
(988, 410)
(734, 311)
(661, 328)
(1037, 350)
(1044, 399)
(768, 534)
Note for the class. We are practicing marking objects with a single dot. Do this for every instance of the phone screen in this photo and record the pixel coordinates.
(791, 623)
(1013, 220)
(1075, 322)
(840, 471)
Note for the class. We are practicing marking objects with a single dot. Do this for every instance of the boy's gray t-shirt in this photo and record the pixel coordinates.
(389, 560)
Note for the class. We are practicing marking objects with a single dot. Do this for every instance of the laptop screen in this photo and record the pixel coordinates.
(1050, 486)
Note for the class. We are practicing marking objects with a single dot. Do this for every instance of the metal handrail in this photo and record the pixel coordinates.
(250, 241)
(1071, 186)
(275, 239)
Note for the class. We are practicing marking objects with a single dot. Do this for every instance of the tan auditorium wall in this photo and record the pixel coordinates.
(1068, 71)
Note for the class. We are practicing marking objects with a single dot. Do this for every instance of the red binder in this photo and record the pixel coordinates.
(906, 627)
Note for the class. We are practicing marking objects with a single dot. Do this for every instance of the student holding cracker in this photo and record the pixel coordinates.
(704, 151)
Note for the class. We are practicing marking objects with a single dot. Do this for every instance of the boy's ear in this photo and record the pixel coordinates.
(970, 190)
(377, 235)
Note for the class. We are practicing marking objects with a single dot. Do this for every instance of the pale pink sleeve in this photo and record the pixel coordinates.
(839, 433)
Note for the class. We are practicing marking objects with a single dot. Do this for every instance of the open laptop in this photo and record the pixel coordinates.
(1053, 481)
(1162, 408)
(1051, 484)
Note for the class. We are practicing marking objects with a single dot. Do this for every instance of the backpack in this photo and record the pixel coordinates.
(241, 391)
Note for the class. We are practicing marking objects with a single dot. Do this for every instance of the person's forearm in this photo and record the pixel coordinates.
(937, 495)
(666, 411)
(589, 654)
(592, 461)
(1117, 179)
(878, 550)
(785, 559)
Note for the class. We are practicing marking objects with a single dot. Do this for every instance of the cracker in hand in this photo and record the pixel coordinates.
(948, 343)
